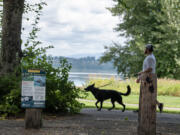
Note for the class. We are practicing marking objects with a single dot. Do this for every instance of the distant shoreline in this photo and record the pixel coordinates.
(89, 73)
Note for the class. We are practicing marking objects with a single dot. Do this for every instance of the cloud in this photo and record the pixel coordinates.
(77, 27)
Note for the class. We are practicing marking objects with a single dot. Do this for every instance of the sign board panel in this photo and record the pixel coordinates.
(33, 89)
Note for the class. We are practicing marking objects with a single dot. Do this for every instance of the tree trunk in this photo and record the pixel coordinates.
(147, 105)
(11, 36)
(33, 118)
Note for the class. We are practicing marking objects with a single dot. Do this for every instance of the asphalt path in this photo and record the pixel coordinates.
(130, 115)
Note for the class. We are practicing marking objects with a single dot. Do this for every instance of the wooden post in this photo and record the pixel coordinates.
(33, 118)
(147, 105)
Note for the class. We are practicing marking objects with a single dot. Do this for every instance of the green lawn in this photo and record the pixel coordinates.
(130, 106)
(132, 102)
(169, 101)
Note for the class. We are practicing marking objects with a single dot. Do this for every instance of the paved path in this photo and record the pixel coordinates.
(118, 115)
(92, 122)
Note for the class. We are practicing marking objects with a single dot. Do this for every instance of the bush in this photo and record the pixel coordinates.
(10, 95)
(61, 94)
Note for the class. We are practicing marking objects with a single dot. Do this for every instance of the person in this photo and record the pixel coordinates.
(149, 66)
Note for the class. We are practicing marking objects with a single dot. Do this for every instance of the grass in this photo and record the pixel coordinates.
(106, 105)
(168, 92)
(169, 101)
(166, 87)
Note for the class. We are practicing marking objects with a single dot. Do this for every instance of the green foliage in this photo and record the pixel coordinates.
(10, 95)
(156, 22)
(61, 94)
(128, 60)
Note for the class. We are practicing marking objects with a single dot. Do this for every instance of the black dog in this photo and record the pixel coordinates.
(102, 95)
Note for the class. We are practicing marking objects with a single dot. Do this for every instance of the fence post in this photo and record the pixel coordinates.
(147, 105)
(33, 118)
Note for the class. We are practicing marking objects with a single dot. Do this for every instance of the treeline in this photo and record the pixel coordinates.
(85, 64)
(155, 22)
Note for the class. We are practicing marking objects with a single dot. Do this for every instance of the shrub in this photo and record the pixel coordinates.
(61, 93)
(10, 95)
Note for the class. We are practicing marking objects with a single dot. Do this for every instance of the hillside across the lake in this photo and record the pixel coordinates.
(86, 64)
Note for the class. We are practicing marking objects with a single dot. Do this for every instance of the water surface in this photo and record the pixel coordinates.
(80, 78)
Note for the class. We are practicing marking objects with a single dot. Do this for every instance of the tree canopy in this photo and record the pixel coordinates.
(146, 21)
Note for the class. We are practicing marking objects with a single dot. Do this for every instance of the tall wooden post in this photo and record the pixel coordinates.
(147, 105)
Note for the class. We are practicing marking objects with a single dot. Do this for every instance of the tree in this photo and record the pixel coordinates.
(11, 53)
(156, 22)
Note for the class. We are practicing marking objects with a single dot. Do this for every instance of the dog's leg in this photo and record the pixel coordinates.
(124, 107)
(96, 104)
(121, 103)
(112, 101)
(100, 106)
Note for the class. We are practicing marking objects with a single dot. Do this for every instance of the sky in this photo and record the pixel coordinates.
(77, 28)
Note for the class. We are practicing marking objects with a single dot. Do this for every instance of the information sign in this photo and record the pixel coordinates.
(33, 89)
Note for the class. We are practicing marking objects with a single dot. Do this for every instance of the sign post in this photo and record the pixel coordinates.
(147, 105)
(33, 97)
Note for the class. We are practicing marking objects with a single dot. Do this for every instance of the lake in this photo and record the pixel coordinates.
(80, 78)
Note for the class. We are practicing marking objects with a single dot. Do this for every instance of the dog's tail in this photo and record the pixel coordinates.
(128, 91)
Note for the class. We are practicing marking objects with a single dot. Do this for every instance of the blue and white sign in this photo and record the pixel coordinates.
(33, 89)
